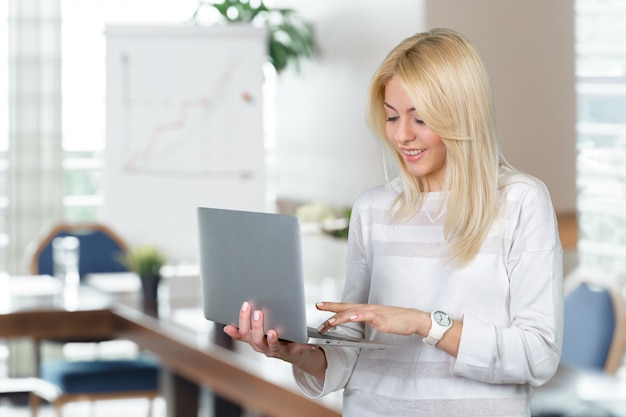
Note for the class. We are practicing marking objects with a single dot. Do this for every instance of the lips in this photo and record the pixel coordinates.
(412, 155)
(413, 152)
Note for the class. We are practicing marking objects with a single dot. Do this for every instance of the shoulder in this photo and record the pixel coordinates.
(527, 215)
(522, 187)
(380, 197)
(527, 203)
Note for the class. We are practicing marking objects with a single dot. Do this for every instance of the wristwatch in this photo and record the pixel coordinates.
(441, 322)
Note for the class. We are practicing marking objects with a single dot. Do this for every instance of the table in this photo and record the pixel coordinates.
(189, 357)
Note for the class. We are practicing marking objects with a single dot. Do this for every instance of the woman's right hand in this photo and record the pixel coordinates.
(308, 357)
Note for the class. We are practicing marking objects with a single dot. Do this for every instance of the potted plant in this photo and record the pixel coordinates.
(290, 36)
(146, 261)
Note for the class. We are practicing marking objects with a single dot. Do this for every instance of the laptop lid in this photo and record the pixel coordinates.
(256, 257)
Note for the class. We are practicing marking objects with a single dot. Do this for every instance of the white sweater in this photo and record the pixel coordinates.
(510, 300)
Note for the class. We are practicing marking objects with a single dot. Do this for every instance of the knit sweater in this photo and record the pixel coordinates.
(509, 299)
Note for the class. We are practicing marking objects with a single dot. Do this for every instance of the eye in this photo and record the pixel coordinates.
(419, 121)
(392, 118)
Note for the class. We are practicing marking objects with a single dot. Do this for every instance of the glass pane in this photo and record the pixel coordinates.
(82, 182)
(82, 214)
(4, 131)
(601, 142)
(602, 109)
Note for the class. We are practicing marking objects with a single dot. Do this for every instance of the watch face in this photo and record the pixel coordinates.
(442, 318)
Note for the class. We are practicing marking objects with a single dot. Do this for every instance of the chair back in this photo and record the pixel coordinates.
(100, 249)
(594, 332)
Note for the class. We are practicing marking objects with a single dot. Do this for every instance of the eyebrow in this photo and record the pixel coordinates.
(412, 109)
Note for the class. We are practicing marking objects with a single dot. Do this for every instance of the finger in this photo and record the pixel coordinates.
(273, 342)
(327, 324)
(284, 350)
(244, 319)
(333, 306)
(346, 313)
(232, 331)
(258, 333)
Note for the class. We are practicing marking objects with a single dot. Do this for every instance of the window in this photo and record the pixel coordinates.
(601, 128)
(83, 52)
(4, 132)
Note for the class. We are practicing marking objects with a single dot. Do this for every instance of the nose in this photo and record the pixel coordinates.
(403, 132)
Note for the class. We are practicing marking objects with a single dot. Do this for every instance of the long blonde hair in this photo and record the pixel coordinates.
(447, 81)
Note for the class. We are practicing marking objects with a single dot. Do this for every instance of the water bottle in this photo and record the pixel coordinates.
(65, 256)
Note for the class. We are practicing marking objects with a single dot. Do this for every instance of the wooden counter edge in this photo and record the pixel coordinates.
(218, 369)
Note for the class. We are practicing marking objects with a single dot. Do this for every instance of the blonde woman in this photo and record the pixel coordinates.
(456, 260)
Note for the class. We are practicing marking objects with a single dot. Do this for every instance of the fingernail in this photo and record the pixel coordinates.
(245, 306)
(331, 320)
(320, 304)
(321, 327)
(353, 317)
(257, 315)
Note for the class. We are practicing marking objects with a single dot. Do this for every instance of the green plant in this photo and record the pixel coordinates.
(145, 261)
(290, 36)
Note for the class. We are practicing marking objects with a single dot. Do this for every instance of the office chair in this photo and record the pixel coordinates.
(94, 379)
(594, 332)
(100, 249)
(594, 341)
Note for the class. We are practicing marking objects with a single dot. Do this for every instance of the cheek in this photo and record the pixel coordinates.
(441, 156)
(439, 147)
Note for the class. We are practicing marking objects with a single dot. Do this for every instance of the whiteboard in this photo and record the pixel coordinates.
(184, 129)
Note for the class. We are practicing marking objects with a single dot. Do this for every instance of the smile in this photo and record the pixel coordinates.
(413, 152)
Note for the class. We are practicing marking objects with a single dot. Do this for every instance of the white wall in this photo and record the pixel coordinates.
(324, 151)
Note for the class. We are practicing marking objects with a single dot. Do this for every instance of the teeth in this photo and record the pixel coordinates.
(413, 152)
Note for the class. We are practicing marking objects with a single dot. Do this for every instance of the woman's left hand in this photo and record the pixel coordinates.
(397, 320)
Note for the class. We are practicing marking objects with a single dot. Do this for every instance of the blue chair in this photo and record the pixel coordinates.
(588, 308)
(594, 332)
(100, 249)
(594, 344)
(94, 379)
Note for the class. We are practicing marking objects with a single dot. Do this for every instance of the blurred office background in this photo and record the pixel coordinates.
(557, 68)
(558, 71)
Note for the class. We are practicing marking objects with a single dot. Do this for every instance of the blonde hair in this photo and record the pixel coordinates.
(447, 81)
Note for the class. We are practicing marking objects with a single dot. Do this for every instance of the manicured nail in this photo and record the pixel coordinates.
(245, 306)
(320, 304)
(331, 320)
(257, 314)
(353, 317)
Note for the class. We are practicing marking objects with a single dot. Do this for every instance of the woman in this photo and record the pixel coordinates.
(459, 250)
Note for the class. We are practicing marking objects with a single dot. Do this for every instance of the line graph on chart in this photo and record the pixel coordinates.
(185, 134)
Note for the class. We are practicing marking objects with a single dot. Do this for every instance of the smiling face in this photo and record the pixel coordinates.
(423, 152)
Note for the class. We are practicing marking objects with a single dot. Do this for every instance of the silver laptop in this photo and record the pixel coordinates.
(256, 257)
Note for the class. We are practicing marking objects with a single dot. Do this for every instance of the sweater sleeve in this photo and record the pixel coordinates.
(341, 360)
(527, 351)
